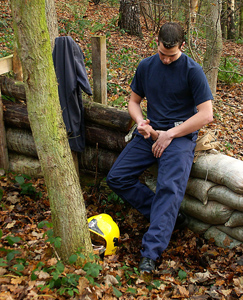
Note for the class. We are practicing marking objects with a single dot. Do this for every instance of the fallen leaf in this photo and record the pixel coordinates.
(201, 277)
(83, 283)
(2, 271)
(110, 279)
(42, 275)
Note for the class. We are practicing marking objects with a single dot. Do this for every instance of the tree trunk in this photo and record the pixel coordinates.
(129, 17)
(214, 43)
(231, 20)
(193, 11)
(51, 21)
(48, 129)
(241, 21)
(224, 20)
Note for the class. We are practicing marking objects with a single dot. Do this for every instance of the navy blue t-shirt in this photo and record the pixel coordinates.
(172, 91)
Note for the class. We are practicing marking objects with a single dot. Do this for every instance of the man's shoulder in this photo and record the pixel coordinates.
(149, 60)
(190, 62)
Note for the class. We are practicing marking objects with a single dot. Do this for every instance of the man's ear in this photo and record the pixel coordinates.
(182, 45)
(156, 39)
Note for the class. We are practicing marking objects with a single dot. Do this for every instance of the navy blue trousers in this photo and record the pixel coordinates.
(160, 208)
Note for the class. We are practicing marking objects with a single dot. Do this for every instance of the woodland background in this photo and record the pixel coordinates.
(191, 268)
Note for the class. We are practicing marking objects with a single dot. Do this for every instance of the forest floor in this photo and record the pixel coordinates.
(190, 268)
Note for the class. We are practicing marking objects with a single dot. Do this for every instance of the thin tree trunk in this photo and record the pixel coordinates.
(241, 20)
(231, 20)
(48, 129)
(129, 17)
(214, 43)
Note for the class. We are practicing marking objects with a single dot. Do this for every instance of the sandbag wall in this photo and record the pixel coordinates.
(105, 131)
(214, 199)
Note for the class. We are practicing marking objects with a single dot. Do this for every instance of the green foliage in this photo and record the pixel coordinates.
(182, 275)
(240, 41)
(119, 102)
(229, 71)
(1, 194)
(12, 239)
(66, 284)
(92, 271)
(54, 240)
(26, 187)
(113, 197)
(6, 37)
(117, 293)
(229, 146)
(4, 261)
(131, 290)
(19, 267)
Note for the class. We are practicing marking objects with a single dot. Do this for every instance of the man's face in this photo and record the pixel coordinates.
(167, 56)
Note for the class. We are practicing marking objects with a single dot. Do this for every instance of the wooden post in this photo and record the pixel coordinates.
(17, 66)
(6, 64)
(99, 69)
(4, 162)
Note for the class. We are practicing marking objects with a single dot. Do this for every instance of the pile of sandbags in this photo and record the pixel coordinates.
(214, 199)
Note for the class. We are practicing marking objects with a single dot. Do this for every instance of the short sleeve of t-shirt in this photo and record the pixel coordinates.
(172, 91)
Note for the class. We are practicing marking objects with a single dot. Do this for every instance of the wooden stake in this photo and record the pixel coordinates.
(99, 69)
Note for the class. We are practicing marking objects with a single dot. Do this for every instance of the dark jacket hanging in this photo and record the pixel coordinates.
(72, 78)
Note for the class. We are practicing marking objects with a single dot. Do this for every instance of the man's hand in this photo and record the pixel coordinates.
(162, 143)
(144, 128)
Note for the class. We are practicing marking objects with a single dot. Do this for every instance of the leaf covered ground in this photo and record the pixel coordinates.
(190, 268)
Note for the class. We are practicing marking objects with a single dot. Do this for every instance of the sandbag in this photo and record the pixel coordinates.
(199, 188)
(221, 239)
(212, 213)
(236, 232)
(197, 226)
(227, 197)
(235, 220)
(221, 169)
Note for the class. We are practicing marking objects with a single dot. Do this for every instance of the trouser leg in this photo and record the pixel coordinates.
(173, 172)
(123, 177)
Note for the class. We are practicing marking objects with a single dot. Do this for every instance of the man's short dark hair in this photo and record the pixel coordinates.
(171, 34)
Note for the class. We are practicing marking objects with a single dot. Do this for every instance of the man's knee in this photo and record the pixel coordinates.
(112, 181)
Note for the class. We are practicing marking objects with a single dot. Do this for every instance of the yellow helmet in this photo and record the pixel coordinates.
(104, 232)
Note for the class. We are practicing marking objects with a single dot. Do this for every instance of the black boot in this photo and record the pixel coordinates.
(181, 221)
(146, 265)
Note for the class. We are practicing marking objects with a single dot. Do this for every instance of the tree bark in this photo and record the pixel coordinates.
(214, 43)
(49, 132)
(129, 17)
(231, 20)
(51, 20)
(241, 21)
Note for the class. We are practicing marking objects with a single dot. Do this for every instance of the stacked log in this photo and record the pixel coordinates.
(214, 199)
(105, 131)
